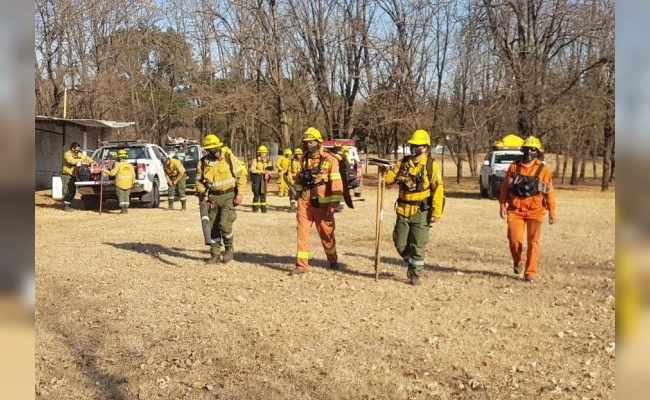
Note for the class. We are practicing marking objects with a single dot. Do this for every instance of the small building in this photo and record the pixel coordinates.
(53, 137)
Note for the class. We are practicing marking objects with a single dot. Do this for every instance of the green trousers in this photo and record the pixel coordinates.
(410, 236)
(222, 216)
(123, 197)
(178, 190)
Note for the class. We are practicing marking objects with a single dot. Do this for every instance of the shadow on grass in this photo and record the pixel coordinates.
(287, 264)
(88, 355)
(435, 267)
(156, 251)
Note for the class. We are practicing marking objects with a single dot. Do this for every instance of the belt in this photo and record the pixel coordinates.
(232, 189)
(410, 202)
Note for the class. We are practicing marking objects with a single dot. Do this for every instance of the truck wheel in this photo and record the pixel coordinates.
(484, 192)
(155, 195)
(492, 193)
(90, 202)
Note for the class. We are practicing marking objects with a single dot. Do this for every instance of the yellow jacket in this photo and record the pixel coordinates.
(408, 203)
(217, 174)
(175, 171)
(283, 164)
(258, 167)
(124, 174)
(70, 160)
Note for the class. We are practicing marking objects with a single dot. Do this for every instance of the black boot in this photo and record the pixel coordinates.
(183, 205)
(228, 254)
(256, 209)
(263, 209)
(170, 206)
(214, 259)
(292, 207)
(66, 207)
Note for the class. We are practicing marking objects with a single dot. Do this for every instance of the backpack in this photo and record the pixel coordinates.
(346, 167)
(526, 186)
(82, 173)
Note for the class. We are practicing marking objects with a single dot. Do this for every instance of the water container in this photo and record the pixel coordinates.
(57, 188)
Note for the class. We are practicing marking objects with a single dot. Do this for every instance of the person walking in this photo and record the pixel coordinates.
(526, 193)
(124, 174)
(71, 159)
(420, 203)
(221, 183)
(319, 190)
(175, 175)
(283, 165)
(260, 176)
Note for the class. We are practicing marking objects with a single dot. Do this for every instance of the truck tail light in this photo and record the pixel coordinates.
(142, 171)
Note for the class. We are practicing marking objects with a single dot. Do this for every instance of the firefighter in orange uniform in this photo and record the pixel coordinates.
(319, 190)
(526, 193)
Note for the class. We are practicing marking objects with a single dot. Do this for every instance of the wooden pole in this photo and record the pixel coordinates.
(101, 191)
(379, 216)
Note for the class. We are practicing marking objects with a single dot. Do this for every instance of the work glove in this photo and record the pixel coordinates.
(551, 219)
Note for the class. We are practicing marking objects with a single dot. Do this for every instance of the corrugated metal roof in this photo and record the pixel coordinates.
(96, 123)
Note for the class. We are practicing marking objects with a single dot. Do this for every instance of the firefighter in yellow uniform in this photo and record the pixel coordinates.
(221, 183)
(124, 174)
(320, 190)
(420, 203)
(293, 171)
(283, 165)
(71, 159)
(176, 175)
(260, 176)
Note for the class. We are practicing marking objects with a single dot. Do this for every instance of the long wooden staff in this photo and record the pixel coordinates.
(101, 191)
(381, 183)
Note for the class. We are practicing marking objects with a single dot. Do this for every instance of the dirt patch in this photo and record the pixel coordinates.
(127, 309)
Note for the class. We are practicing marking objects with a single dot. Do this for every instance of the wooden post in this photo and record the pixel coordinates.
(379, 218)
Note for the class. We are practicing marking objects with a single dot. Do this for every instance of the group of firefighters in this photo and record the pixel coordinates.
(311, 177)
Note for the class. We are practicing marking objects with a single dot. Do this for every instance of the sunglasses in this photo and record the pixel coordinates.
(533, 149)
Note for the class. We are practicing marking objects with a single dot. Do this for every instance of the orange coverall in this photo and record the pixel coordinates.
(526, 214)
(329, 189)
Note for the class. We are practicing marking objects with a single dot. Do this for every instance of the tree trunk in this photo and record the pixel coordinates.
(608, 160)
(575, 166)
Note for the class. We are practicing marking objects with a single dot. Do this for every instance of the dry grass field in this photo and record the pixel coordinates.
(127, 309)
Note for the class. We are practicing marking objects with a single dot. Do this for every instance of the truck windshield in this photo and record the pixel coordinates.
(506, 158)
(110, 153)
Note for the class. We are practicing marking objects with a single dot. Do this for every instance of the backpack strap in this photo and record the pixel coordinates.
(539, 169)
(430, 161)
(229, 161)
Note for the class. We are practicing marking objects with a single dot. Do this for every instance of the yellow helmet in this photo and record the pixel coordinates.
(532, 141)
(287, 152)
(297, 152)
(211, 141)
(420, 137)
(262, 149)
(312, 134)
(122, 154)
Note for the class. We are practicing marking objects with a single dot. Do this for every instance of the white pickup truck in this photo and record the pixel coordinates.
(150, 176)
(494, 169)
